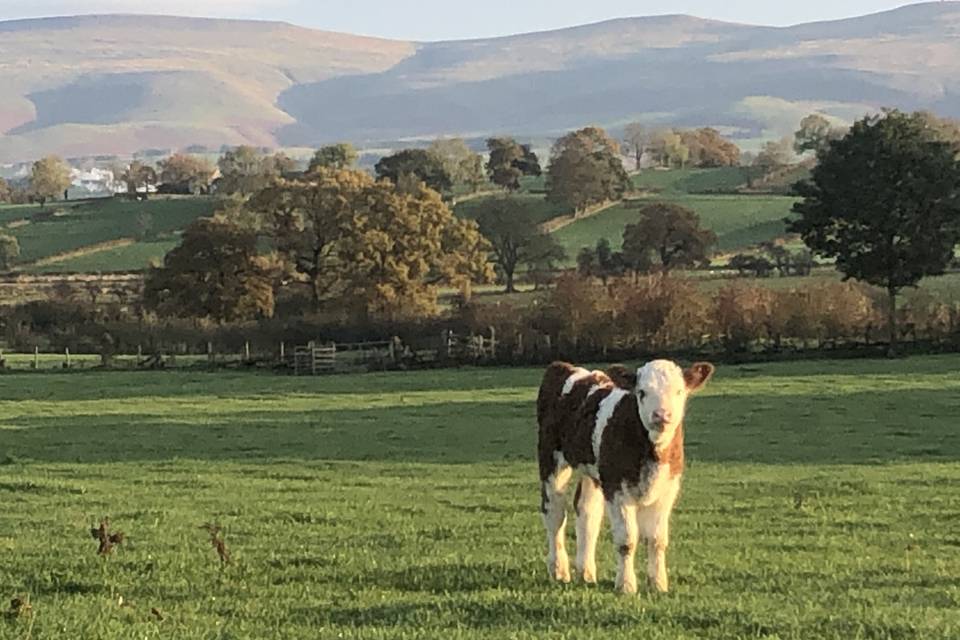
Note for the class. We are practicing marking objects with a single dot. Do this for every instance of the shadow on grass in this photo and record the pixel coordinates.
(853, 428)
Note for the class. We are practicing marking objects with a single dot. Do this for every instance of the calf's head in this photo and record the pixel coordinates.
(662, 391)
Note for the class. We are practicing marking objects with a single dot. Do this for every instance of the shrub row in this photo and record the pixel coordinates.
(660, 314)
(579, 318)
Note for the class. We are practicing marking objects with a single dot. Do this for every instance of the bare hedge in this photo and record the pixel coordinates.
(666, 314)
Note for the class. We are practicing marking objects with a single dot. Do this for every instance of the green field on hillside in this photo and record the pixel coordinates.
(691, 180)
(132, 257)
(79, 230)
(75, 226)
(739, 221)
(819, 502)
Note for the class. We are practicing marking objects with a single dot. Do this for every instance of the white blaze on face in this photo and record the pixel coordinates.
(661, 398)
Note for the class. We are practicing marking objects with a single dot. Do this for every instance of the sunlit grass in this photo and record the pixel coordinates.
(819, 501)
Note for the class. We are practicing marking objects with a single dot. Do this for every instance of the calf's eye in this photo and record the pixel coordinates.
(641, 394)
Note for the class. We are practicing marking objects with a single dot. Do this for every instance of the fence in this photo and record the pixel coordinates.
(313, 358)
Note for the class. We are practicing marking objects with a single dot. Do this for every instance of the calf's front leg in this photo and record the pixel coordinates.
(654, 522)
(623, 523)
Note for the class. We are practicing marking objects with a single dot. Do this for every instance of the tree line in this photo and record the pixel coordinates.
(882, 202)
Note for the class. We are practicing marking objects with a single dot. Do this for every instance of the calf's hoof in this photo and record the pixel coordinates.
(559, 571)
(658, 586)
(628, 587)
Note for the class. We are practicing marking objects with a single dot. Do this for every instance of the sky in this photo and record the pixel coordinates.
(457, 19)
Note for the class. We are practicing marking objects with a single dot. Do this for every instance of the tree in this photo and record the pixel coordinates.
(587, 262)
(368, 246)
(464, 167)
(415, 162)
(669, 233)
(280, 164)
(667, 148)
(635, 140)
(406, 244)
(945, 128)
(707, 148)
(779, 256)
(214, 273)
(6, 193)
(884, 202)
(9, 251)
(138, 175)
(342, 155)
(308, 220)
(49, 178)
(585, 169)
(182, 173)
(509, 161)
(815, 134)
(802, 262)
(504, 156)
(775, 154)
(542, 255)
(747, 264)
(515, 237)
(601, 261)
(529, 163)
(244, 171)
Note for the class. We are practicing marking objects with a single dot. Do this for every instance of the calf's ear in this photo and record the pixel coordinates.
(698, 375)
(622, 377)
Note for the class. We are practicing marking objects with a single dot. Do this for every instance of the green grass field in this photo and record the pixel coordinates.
(97, 221)
(738, 221)
(691, 180)
(132, 257)
(820, 502)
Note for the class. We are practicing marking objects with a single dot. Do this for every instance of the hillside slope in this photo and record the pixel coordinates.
(116, 84)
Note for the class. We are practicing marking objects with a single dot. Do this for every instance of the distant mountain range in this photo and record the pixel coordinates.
(91, 85)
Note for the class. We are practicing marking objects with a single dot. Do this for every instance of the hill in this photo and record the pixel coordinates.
(117, 84)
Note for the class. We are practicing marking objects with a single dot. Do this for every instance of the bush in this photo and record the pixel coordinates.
(743, 314)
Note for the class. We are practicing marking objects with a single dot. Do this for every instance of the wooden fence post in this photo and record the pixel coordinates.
(66, 353)
(246, 350)
(282, 352)
(211, 357)
(36, 357)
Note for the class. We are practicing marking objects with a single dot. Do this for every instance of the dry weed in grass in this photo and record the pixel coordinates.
(19, 607)
(216, 541)
(107, 540)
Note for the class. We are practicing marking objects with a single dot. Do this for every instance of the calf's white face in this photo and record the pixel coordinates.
(662, 391)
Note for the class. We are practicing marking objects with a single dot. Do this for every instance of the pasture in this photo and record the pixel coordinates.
(820, 502)
(82, 231)
(739, 221)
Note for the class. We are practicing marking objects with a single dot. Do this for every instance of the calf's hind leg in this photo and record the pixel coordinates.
(554, 509)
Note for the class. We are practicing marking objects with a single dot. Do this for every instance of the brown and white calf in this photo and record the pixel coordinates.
(624, 433)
